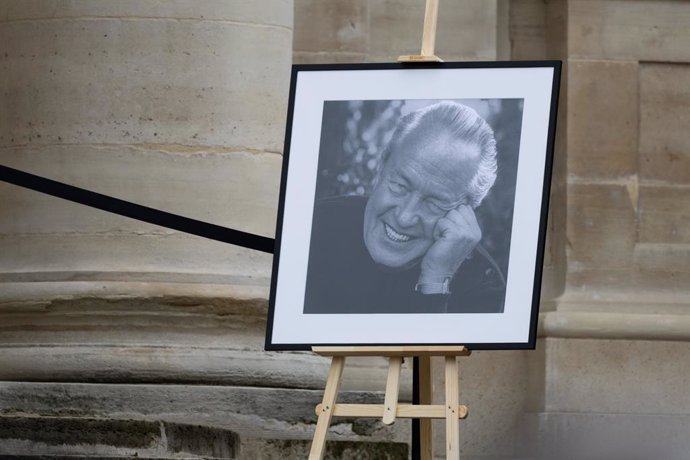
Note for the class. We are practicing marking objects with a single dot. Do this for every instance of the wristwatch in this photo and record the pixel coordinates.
(433, 288)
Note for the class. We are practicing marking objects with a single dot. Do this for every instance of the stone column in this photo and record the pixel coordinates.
(175, 105)
(621, 328)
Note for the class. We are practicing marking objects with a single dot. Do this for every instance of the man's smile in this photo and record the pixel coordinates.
(396, 236)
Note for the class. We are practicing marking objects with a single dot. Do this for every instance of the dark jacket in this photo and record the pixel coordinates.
(343, 278)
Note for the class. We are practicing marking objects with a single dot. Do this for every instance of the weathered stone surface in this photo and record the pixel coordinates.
(557, 27)
(644, 30)
(493, 385)
(335, 450)
(602, 118)
(664, 121)
(93, 437)
(664, 215)
(605, 319)
(327, 57)
(672, 260)
(331, 26)
(258, 12)
(162, 339)
(580, 436)
(617, 376)
(466, 29)
(154, 95)
(528, 29)
(269, 413)
(596, 212)
(143, 257)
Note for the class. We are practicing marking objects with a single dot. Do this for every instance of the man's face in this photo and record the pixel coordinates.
(420, 182)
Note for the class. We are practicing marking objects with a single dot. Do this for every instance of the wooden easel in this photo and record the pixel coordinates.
(428, 36)
(452, 411)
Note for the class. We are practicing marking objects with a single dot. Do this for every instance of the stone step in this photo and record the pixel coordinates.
(80, 436)
(31, 437)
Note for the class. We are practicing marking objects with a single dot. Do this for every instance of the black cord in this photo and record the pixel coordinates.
(136, 211)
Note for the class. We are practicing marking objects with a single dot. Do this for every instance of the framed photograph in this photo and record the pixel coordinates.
(413, 205)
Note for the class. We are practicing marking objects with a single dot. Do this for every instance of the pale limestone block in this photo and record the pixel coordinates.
(261, 13)
(669, 260)
(671, 279)
(333, 26)
(236, 189)
(528, 29)
(538, 29)
(606, 320)
(617, 376)
(585, 436)
(632, 280)
(503, 30)
(632, 300)
(645, 30)
(664, 122)
(466, 29)
(664, 215)
(327, 57)
(167, 337)
(601, 227)
(493, 386)
(143, 256)
(557, 29)
(121, 81)
(602, 118)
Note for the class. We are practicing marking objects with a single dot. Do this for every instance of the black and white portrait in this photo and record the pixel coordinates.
(414, 205)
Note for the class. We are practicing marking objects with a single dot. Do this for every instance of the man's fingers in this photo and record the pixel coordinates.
(458, 224)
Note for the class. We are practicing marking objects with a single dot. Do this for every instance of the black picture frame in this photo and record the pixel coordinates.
(320, 90)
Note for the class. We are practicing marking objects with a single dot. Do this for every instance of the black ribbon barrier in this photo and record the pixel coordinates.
(136, 211)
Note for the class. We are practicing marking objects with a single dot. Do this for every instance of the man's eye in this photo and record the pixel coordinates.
(435, 207)
(397, 188)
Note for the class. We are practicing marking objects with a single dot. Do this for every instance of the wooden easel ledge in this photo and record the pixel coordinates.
(428, 36)
(391, 351)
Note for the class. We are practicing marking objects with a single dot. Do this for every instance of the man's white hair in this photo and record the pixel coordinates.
(459, 122)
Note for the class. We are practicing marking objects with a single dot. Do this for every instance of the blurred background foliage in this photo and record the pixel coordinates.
(355, 133)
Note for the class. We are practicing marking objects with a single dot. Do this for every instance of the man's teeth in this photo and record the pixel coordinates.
(395, 236)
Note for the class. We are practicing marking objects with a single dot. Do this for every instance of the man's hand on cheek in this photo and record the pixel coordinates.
(456, 234)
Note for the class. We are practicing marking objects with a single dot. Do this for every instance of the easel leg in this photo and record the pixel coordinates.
(425, 393)
(318, 446)
(452, 421)
(390, 405)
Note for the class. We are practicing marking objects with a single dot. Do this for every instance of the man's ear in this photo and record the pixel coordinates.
(379, 174)
(381, 166)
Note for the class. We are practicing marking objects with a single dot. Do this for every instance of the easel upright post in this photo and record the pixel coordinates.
(327, 407)
(452, 423)
(428, 36)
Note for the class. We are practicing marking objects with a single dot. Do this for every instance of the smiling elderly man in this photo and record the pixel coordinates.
(412, 246)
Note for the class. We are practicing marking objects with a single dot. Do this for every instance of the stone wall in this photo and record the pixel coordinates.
(108, 325)
(619, 332)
